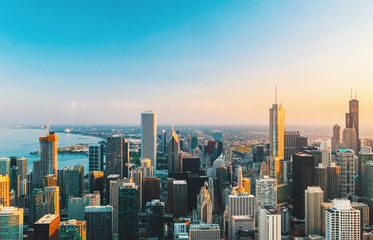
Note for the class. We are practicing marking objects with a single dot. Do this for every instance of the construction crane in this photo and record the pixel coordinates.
(48, 124)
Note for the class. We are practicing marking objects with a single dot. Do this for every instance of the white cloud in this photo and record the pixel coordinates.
(126, 104)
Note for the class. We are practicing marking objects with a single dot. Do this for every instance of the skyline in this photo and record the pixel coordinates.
(198, 64)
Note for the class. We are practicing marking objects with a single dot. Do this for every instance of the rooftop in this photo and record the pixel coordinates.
(48, 218)
(98, 208)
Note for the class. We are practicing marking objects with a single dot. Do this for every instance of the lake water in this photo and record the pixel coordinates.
(20, 142)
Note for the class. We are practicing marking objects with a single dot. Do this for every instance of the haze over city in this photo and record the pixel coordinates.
(191, 62)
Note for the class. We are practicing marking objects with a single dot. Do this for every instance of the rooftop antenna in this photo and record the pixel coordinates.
(355, 93)
(351, 93)
(275, 94)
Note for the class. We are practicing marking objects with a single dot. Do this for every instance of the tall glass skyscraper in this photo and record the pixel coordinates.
(149, 137)
(48, 153)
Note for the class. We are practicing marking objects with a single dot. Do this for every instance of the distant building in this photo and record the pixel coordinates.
(149, 137)
(4, 166)
(336, 139)
(11, 223)
(350, 139)
(73, 229)
(173, 146)
(204, 231)
(269, 224)
(352, 120)
(99, 221)
(47, 227)
(95, 158)
(342, 222)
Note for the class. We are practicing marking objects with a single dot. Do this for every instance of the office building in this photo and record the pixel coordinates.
(321, 179)
(4, 166)
(285, 220)
(14, 183)
(364, 214)
(4, 190)
(136, 176)
(204, 206)
(114, 187)
(146, 167)
(314, 196)
(342, 222)
(76, 205)
(71, 182)
(52, 200)
(276, 140)
(11, 223)
(151, 189)
(37, 206)
(96, 183)
(95, 158)
(50, 180)
(349, 139)
(47, 227)
(269, 224)
(362, 161)
(22, 165)
(155, 211)
(117, 156)
(336, 139)
(204, 231)
(352, 120)
(173, 147)
(266, 192)
(367, 186)
(333, 181)
(48, 154)
(190, 163)
(345, 159)
(290, 144)
(177, 198)
(240, 205)
(37, 175)
(149, 137)
(238, 223)
(73, 229)
(128, 215)
(303, 176)
(99, 220)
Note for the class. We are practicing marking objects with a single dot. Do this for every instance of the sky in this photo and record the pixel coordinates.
(192, 62)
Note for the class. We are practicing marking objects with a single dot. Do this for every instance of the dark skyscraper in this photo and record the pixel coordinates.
(321, 179)
(114, 155)
(155, 219)
(352, 118)
(333, 181)
(128, 214)
(290, 144)
(99, 222)
(151, 189)
(173, 147)
(177, 198)
(303, 176)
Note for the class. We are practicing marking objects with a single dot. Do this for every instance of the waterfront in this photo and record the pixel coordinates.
(20, 142)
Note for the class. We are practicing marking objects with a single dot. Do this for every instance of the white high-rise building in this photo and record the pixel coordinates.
(269, 224)
(204, 231)
(266, 192)
(238, 205)
(314, 196)
(11, 223)
(149, 137)
(342, 222)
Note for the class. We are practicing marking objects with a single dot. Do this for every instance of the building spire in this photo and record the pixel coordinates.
(355, 93)
(351, 93)
(275, 94)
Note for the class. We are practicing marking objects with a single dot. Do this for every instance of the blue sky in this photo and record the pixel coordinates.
(192, 62)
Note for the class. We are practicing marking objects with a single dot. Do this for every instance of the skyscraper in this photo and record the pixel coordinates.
(128, 212)
(367, 186)
(151, 189)
(4, 190)
(76, 205)
(11, 223)
(71, 182)
(266, 192)
(321, 179)
(269, 224)
(303, 176)
(136, 176)
(52, 200)
(47, 227)
(276, 140)
(333, 181)
(352, 119)
(73, 229)
(149, 137)
(155, 219)
(48, 153)
(177, 198)
(4, 166)
(349, 139)
(342, 222)
(314, 196)
(345, 159)
(95, 157)
(173, 147)
(336, 139)
(114, 155)
(36, 205)
(290, 144)
(99, 221)
(96, 183)
(22, 165)
(238, 205)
